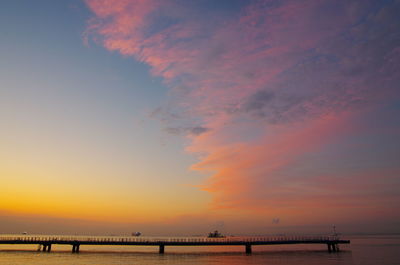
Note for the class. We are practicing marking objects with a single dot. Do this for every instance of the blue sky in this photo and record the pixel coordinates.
(228, 111)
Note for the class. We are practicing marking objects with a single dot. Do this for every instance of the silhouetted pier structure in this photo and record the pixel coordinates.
(45, 242)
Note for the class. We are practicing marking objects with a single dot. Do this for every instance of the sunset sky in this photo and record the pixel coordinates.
(182, 117)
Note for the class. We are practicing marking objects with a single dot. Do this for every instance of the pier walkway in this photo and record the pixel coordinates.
(45, 242)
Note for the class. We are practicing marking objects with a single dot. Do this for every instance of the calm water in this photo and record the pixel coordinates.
(363, 250)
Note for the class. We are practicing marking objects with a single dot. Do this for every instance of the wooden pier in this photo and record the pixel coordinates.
(45, 242)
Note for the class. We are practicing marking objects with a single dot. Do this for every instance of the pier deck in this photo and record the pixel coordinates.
(45, 242)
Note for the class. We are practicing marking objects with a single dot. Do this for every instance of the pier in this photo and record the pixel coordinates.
(45, 242)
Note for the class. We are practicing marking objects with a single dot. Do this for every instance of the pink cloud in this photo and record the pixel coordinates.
(240, 168)
(270, 85)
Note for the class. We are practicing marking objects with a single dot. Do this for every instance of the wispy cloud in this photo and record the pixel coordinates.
(195, 131)
(269, 84)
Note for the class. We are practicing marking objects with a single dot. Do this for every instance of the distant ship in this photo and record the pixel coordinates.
(215, 234)
(136, 234)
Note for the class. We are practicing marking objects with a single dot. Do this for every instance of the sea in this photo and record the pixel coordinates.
(363, 250)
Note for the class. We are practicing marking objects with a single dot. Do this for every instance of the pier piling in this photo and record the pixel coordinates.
(75, 248)
(162, 248)
(334, 247)
(248, 249)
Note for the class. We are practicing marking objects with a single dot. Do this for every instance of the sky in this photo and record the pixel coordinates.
(181, 117)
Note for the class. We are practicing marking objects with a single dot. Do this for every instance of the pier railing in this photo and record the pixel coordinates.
(114, 239)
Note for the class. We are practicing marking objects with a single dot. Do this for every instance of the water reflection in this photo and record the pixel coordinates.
(362, 251)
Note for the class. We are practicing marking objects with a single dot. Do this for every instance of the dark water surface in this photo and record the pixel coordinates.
(363, 250)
